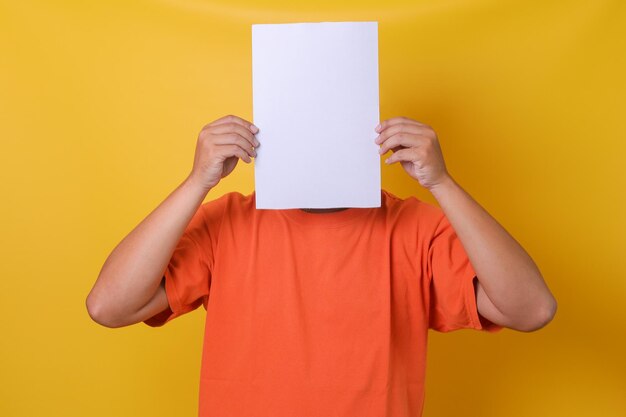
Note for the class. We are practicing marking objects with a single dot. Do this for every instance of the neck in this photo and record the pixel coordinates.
(326, 210)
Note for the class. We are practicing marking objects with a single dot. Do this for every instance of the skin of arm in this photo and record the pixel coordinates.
(131, 275)
(511, 290)
(129, 288)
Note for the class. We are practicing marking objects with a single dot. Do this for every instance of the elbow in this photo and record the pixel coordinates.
(543, 315)
(98, 313)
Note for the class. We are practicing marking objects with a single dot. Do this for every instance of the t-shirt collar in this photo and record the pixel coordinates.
(328, 219)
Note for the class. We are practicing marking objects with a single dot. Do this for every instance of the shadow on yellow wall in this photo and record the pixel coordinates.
(100, 106)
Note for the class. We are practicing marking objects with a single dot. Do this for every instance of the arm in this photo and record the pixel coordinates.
(129, 288)
(511, 291)
(126, 288)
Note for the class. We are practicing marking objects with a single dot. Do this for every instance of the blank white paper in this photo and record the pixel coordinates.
(316, 104)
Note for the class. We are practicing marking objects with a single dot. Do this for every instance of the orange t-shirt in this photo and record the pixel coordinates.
(319, 314)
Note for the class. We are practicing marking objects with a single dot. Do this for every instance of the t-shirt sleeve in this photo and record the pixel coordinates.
(188, 274)
(452, 293)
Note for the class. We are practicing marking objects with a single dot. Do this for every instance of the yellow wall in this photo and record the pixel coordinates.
(100, 106)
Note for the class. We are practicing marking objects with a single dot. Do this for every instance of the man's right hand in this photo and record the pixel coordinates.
(220, 145)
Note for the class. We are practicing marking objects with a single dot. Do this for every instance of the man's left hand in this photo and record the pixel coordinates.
(417, 148)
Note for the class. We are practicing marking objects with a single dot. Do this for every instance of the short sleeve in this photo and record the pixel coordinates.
(188, 274)
(452, 292)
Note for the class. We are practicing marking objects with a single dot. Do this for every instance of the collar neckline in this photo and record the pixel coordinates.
(328, 219)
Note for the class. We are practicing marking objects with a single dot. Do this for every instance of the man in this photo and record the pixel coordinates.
(319, 312)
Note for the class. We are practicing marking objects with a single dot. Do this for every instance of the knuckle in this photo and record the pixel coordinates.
(204, 138)
(240, 140)
(245, 133)
(244, 143)
(240, 129)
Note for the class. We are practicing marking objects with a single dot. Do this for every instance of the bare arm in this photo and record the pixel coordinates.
(130, 286)
(133, 271)
(510, 291)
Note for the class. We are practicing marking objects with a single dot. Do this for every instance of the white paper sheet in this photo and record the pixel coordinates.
(316, 103)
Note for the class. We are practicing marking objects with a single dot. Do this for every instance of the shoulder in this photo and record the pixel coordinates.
(227, 205)
(233, 199)
(411, 209)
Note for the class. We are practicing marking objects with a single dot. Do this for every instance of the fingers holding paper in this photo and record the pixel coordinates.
(416, 146)
(220, 145)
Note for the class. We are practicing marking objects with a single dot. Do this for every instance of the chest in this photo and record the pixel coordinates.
(351, 268)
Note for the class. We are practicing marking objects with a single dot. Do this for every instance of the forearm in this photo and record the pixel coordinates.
(133, 271)
(508, 275)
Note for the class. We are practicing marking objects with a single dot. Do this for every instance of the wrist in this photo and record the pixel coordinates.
(442, 187)
(196, 186)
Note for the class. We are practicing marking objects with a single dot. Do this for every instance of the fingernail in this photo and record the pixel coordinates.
(377, 127)
(256, 143)
(377, 139)
(386, 161)
(254, 129)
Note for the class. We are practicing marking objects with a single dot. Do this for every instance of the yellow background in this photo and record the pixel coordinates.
(100, 107)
